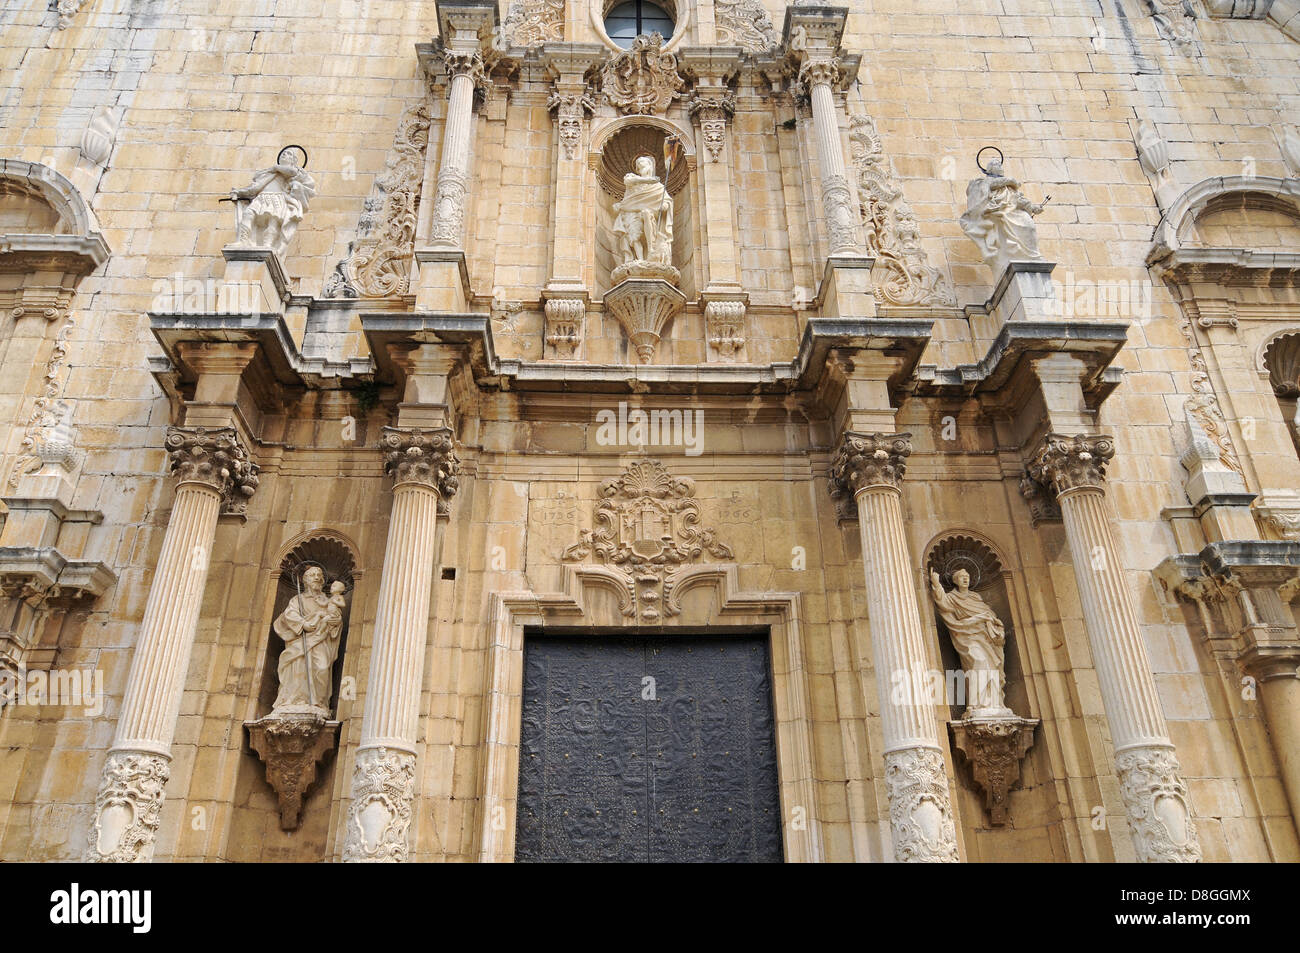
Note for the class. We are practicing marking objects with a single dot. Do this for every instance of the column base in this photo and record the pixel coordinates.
(920, 812)
(1155, 799)
(128, 808)
(379, 816)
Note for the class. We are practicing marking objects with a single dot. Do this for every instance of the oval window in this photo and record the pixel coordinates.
(631, 19)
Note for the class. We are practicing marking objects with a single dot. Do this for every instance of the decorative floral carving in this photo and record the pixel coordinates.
(465, 63)
(290, 746)
(646, 525)
(1043, 507)
(564, 318)
(128, 808)
(531, 23)
(1175, 21)
(379, 816)
(725, 322)
(1204, 405)
(865, 459)
(644, 79)
(216, 457)
(712, 110)
(841, 219)
(994, 748)
(379, 260)
(422, 456)
(920, 815)
(47, 410)
(449, 207)
(1064, 463)
(892, 235)
(821, 72)
(571, 110)
(744, 23)
(1155, 798)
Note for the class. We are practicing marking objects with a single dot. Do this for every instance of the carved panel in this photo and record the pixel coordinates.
(644, 79)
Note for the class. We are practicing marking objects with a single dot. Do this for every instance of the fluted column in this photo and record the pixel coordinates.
(465, 67)
(821, 75)
(870, 467)
(211, 466)
(1155, 795)
(423, 465)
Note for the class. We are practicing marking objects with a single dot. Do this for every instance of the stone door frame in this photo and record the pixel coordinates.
(511, 613)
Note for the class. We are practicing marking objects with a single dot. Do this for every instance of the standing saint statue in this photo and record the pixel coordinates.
(311, 627)
(268, 209)
(999, 219)
(643, 229)
(979, 638)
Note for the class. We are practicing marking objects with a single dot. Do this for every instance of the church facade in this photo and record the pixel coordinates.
(543, 430)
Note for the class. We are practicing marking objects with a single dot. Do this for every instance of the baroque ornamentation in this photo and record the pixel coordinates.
(744, 23)
(564, 320)
(1203, 404)
(465, 63)
(47, 411)
(449, 207)
(867, 460)
(643, 80)
(892, 235)
(571, 110)
(1155, 798)
(841, 219)
(422, 456)
(1175, 21)
(99, 136)
(1064, 463)
(725, 324)
(379, 816)
(311, 627)
(269, 209)
(530, 23)
(67, 10)
(128, 808)
(821, 72)
(645, 526)
(379, 260)
(920, 814)
(644, 306)
(291, 745)
(999, 219)
(643, 229)
(994, 748)
(1043, 507)
(712, 111)
(215, 457)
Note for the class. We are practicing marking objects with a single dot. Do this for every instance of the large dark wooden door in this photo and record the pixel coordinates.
(647, 749)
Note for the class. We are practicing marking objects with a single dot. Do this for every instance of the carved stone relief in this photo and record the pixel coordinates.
(379, 815)
(920, 816)
(646, 526)
(571, 111)
(1155, 796)
(744, 23)
(889, 225)
(644, 79)
(379, 259)
(530, 23)
(128, 808)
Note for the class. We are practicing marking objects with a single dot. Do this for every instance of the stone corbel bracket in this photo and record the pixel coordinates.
(291, 746)
(46, 580)
(994, 748)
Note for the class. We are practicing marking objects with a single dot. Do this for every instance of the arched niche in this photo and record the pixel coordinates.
(1229, 216)
(1279, 358)
(990, 580)
(614, 149)
(335, 555)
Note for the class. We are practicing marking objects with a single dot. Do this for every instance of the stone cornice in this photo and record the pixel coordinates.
(1063, 463)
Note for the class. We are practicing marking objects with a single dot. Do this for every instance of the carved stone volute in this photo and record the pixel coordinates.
(869, 460)
(212, 456)
(1064, 463)
(413, 455)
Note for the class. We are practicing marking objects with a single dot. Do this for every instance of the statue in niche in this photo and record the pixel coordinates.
(643, 229)
(979, 638)
(268, 209)
(311, 627)
(999, 219)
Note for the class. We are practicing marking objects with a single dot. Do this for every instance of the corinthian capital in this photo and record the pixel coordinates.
(413, 455)
(869, 459)
(821, 72)
(213, 456)
(465, 63)
(1069, 463)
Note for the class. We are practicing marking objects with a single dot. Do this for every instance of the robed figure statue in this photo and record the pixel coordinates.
(269, 209)
(643, 230)
(311, 627)
(979, 638)
(999, 219)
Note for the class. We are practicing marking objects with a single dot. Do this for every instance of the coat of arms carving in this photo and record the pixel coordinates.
(644, 79)
(646, 525)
